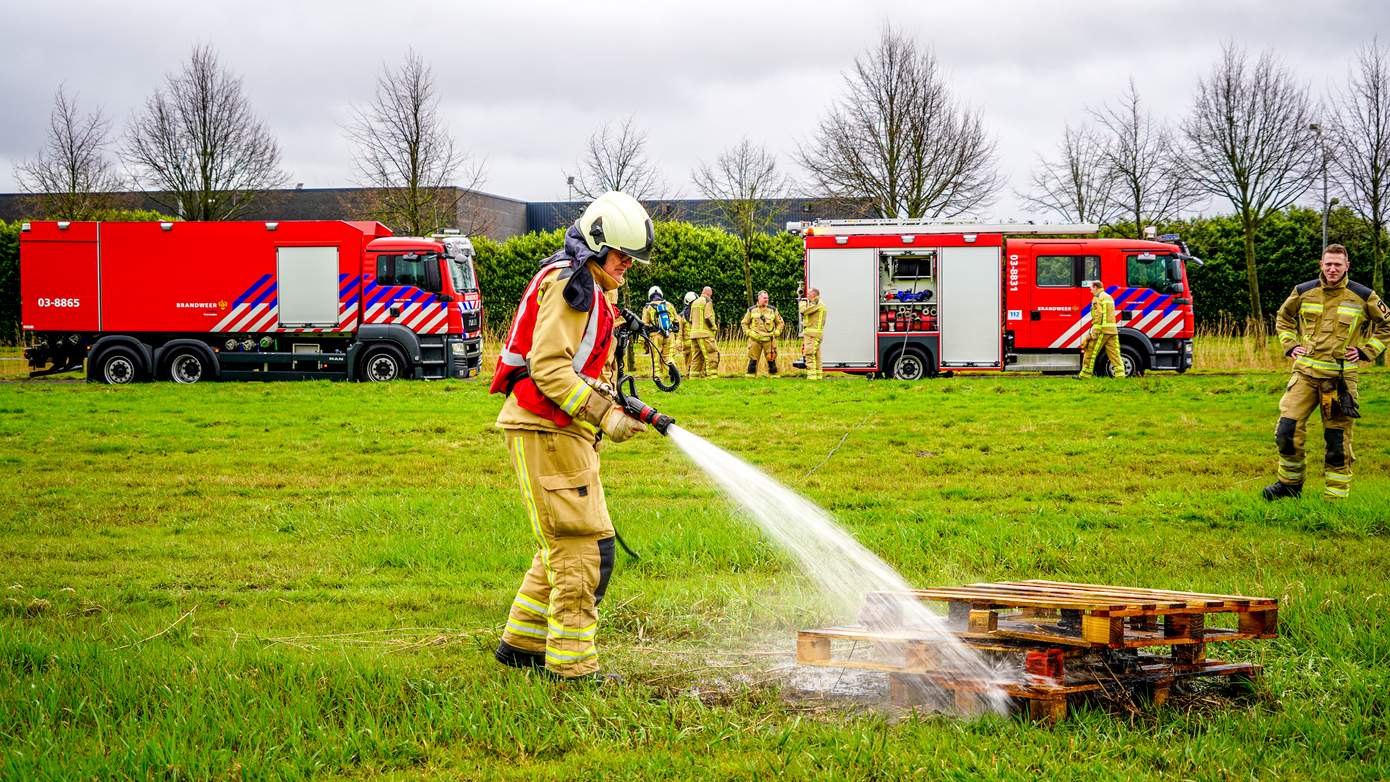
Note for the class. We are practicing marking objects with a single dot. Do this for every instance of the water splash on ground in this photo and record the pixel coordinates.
(847, 574)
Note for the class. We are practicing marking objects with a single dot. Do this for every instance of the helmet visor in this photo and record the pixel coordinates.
(642, 254)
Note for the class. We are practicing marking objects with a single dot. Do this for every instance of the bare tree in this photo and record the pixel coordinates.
(406, 154)
(1142, 158)
(899, 140)
(72, 177)
(1077, 185)
(740, 183)
(615, 158)
(199, 146)
(1249, 142)
(1361, 136)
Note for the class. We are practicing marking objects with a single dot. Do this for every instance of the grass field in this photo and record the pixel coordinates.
(306, 580)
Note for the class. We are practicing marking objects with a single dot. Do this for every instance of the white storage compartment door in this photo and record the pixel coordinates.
(307, 280)
(848, 283)
(971, 332)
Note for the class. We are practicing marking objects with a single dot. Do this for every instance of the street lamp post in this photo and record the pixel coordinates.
(1322, 150)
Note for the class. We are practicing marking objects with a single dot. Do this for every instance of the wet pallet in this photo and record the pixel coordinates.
(1091, 616)
(1100, 638)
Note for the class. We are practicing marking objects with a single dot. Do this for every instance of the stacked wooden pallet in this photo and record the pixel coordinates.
(1071, 638)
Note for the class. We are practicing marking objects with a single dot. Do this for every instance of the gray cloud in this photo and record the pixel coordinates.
(524, 84)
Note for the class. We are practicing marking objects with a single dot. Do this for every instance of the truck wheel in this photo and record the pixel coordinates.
(118, 366)
(188, 365)
(1134, 364)
(382, 364)
(910, 364)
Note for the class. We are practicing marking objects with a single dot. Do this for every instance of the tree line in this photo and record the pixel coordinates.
(897, 139)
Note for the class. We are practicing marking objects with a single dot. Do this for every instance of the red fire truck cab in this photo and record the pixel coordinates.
(909, 299)
(199, 301)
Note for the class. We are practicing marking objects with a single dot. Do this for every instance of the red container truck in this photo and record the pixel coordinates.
(911, 298)
(200, 301)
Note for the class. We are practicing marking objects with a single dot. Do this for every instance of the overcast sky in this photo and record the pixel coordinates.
(523, 84)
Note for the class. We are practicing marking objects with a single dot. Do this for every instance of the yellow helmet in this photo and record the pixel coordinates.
(615, 221)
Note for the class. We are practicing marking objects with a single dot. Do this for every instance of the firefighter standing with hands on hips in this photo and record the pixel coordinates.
(812, 329)
(661, 314)
(1105, 333)
(561, 340)
(704, 353)
(1326, 325)
(763, 324)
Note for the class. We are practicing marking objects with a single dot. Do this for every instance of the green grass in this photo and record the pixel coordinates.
(306, 580)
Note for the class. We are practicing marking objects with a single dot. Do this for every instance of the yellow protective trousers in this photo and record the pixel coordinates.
(1110, 343)
(810, 348)
(1301, 397)
(704, 357)
(759, 350)
(555, 612)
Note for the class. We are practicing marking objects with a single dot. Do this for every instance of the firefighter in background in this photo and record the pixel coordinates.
(663, 315)
(812, 329)
(683, 342)
(1326, 325)
(704, 352)
(562, 335)
(763, 324)
(1105, 333)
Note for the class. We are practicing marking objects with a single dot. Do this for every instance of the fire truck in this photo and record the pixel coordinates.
(198, 301)
(910, 299)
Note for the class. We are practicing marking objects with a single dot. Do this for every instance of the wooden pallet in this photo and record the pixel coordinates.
(1100, 631)
(1089, 616)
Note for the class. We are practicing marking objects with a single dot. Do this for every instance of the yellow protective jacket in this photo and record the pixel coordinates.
(763, 324)
(559, 331)
(812, 317)
(1103, 314)
(1329, 319)
(702, 322)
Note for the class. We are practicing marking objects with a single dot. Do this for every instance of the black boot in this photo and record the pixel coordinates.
(517, 658)
(753, 367)
(772, 367)
(1279, 490)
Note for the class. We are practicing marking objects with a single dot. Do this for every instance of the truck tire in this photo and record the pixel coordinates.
(382, 364)
(117, 366)
(1133, 361)
(188, 365)
(910, 363)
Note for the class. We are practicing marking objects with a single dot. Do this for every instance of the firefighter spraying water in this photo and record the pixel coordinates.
(568, 337)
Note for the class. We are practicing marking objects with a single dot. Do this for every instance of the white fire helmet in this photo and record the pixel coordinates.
(690, 296)
(654, 292)
(615, 221)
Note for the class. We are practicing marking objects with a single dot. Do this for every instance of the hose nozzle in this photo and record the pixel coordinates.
(647, 414)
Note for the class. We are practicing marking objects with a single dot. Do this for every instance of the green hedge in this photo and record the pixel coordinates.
(686, 257)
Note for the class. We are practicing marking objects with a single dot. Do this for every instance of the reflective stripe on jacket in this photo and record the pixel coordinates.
(702, 318)
(812, 317)
(1103, 313)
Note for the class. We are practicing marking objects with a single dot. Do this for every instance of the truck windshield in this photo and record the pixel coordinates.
(461, 269)
(1156, 271)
